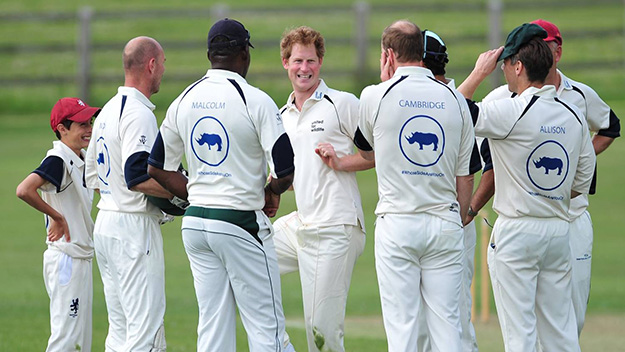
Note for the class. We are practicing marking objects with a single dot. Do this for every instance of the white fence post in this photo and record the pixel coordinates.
(361, 37)
(495, 40)
(85, 15)
(219, 11)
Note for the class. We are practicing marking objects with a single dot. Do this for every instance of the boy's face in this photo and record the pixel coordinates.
(78, 135)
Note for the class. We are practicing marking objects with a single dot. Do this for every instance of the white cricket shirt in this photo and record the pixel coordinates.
(597, 114)
(70, 197)
(324, 196)
(125, 128)
(422, 135)
(541, 150)
(228, 130)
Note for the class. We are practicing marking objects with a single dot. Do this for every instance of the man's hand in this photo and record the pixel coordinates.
(328, 155)
(272, 203)
(387, 58)
(57, 229)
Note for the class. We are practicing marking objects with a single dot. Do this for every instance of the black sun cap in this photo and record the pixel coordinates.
(520, 36)
(434, 47)
(232, 30)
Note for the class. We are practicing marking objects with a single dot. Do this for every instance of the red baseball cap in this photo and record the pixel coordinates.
(553, 33)
(72, 109)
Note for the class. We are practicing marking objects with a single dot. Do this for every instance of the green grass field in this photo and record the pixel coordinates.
(25, 136)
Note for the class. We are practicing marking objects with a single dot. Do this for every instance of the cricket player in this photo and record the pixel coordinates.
(542, 157)
(435, 59)
(420, 134)
(605, 126)
(229, 133)
(66, 204)
(127, 233)
(325, 236)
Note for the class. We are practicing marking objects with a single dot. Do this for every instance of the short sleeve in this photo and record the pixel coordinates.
(52, 170)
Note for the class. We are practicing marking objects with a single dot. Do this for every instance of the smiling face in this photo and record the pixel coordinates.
(77, 136)
(303, 68)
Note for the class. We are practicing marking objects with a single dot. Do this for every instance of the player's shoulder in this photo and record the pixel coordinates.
(376, 91)
(501, 92)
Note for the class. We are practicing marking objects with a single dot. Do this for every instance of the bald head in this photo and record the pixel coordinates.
(139, 51)
(405, 38)
(144, 65)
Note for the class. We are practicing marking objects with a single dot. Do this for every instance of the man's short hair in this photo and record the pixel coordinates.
(301, 35)
(406, 40)
(536, 58)
(142, 53)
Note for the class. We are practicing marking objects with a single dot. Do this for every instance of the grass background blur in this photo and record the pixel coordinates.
(25, 135)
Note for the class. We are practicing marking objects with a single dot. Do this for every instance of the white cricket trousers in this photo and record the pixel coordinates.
(419, 267)
(325, 257)
(129, 251)
(469, 340)
(69, 284)
(529, 261)
(581, 238)
(232, 269)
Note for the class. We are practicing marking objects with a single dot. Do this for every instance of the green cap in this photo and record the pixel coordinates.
(519, 36)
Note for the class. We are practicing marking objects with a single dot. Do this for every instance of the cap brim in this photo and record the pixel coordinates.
(85, 114)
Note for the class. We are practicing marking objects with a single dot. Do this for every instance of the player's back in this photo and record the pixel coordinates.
(125, 128)
(422, 138)
(228, 129)
(536, 141)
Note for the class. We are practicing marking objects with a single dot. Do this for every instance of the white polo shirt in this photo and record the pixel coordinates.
(229, 131)
(597, 114)
(541, 150)
(422, 134)
(66, 192)
(324, 196)
(122, 133)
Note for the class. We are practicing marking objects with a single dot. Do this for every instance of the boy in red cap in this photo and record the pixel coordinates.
(66, 204)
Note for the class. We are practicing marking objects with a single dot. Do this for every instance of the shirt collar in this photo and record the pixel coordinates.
(226, 74)
(135, 93)
(547, 90)
(565, 82)
(70, 153)
(412, 70)
(322, 89)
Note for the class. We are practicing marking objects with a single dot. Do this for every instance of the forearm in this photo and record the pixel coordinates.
(152, 188)
(355, 162)
(464, 188)
(27, 191)
(484, 192)
(601, 143)
(172, 181)
(278, 186)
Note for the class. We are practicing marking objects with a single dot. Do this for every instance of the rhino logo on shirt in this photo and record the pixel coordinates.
(423, 139)
(210, 139)
(100, 158)
(549, 164)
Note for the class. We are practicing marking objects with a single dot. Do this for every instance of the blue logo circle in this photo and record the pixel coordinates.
(209, 141)
(548, 165)
(422, 140)
(103, 160)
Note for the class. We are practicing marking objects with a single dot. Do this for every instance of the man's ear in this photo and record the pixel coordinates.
(152, 65)
(285, 63)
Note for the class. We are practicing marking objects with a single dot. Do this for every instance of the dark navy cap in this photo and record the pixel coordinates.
(520, 36)
(232, 30)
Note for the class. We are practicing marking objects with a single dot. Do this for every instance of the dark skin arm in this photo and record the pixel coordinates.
(275, 187)
(172, 181)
